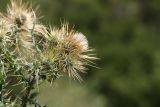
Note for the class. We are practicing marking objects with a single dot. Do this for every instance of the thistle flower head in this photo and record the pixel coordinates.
(71, 42)
(20, 15)
(70, 49)
(24, 28)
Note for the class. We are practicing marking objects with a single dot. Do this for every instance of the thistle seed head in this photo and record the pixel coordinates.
(70, 41)
(69, 48)
(20, 15)
(24, 29)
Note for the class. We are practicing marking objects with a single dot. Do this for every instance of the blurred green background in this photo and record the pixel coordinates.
(126, 37)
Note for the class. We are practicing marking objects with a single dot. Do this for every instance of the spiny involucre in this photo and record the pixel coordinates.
(69, 49)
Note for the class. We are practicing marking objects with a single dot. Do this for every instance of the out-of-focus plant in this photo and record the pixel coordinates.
(31, 54)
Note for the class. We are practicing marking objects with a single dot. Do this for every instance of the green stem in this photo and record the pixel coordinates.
(25, 98)
(1, 92)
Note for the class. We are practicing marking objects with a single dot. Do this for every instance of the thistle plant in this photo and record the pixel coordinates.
(31, 54)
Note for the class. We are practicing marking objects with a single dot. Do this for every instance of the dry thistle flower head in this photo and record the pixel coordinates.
(73, 42)
(20, 15)
(70, 50)
(21, 23)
